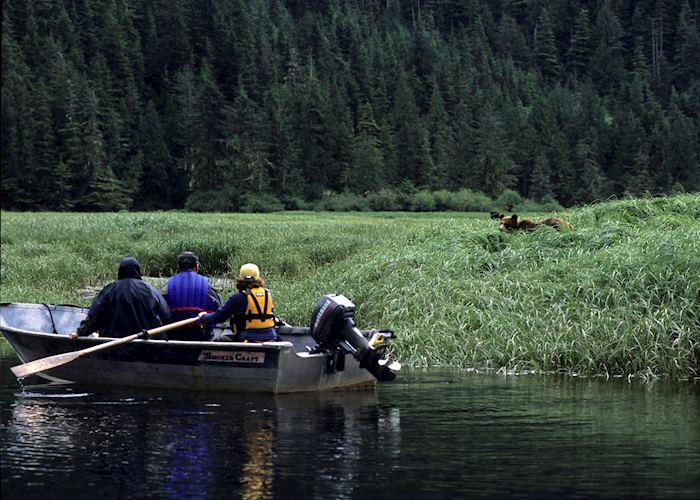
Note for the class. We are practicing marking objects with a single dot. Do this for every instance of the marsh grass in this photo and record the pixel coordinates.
(616, 296)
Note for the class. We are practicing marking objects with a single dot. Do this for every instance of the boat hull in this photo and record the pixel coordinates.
(271, 367)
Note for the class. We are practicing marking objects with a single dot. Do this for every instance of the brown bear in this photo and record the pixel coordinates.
(509, 223)
(556, 223)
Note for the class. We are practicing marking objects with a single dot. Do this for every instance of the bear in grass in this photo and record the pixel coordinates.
(513, 222)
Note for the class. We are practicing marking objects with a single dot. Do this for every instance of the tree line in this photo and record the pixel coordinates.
(270, 104)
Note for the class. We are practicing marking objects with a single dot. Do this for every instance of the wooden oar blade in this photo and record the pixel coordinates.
(44, 364)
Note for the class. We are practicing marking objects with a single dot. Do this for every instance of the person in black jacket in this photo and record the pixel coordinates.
(126, 306)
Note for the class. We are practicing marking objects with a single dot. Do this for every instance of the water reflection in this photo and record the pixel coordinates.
(188, 463)
(431, 435)
(258, 467)
(131, 443)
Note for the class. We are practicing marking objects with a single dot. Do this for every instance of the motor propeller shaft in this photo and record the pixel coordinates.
(333, 323)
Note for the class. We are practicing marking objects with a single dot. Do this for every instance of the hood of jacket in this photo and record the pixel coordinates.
(129, 267)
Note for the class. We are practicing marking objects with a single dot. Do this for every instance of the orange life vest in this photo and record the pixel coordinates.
(259, 311)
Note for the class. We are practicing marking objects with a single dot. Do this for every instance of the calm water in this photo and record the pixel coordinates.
(428, 435)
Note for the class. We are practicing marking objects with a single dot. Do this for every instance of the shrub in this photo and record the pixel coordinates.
(260, 203)
(386, 200)
(547, 204)
(508, 200)
(472, 201)
(343, 202)
(219, 200)
(422, 201)
(444, 200)
(296, 203)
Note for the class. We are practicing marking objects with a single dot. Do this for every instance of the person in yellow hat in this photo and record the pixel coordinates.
(251, 308)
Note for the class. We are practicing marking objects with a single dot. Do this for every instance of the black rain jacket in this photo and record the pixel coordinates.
(126, 306)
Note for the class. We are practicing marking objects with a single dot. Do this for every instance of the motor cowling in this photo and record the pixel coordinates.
(333, 328)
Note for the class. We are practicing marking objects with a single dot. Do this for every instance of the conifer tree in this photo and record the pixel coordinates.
(540, 179)
(511, 42)
(209, 133)
(87, 26)
(546, 53)
(152, 70)
(589, 179)
(339, 131)
(410, 139)
(234, 59)
(441, 141)
(43, 142)
(103, 191)
(180, 101)
(174, 47)
(686, 66)
(364, 173)
(284, 152)
(491, 168)
(465, 135)
(113, 48)
(72, 155)
(519, 10)
(31, 42)
(311, 128)
(607, 63)
(640, 64)
(638, 181)
(162, 183)
(248, 159)
(16, 145)
(66, 37)
(524, 141)
(681, 161)
(579, 53)
(265, 56)
(548, 110)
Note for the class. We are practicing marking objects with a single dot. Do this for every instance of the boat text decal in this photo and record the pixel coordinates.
(232, 357)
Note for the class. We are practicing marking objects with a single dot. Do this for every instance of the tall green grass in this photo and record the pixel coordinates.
(616, 296)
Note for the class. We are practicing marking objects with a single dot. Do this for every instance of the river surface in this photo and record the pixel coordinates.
(428, 435)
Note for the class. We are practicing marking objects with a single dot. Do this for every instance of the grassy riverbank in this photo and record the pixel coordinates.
(618, 295)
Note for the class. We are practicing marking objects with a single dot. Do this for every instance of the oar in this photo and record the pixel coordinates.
(43, 364)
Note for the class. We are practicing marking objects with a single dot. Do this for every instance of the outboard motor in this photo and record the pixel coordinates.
(333, 327)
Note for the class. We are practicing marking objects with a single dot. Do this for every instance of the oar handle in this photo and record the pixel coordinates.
(152, 331)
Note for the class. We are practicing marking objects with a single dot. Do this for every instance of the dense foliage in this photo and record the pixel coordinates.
(266, 104)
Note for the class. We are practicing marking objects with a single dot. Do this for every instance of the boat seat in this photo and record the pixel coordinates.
(226, 337)
(292, 330)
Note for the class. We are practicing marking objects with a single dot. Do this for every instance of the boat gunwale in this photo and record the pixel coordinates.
(269, 345)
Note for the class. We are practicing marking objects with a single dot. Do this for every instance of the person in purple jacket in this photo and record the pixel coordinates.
(188, 293)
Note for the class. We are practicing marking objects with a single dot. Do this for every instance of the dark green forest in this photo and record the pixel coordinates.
(247, 105)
